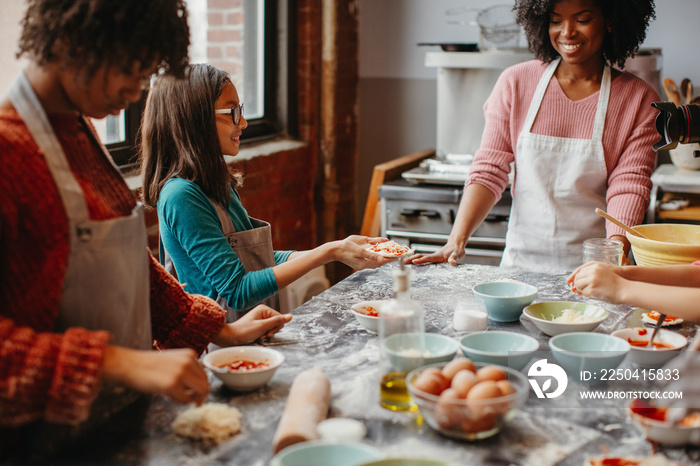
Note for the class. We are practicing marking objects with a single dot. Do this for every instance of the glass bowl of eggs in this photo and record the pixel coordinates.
(467, 400)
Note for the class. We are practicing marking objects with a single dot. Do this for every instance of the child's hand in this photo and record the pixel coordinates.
(597, 280)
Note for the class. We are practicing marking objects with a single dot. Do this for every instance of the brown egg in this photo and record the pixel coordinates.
(463, 381)
(482, 413)
(493, 373)
(456, 365)
(447, 411)
(483, 391)
(505, 387)
(431, 381)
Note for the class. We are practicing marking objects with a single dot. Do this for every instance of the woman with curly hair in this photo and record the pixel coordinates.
(578, 133)
(82, 302)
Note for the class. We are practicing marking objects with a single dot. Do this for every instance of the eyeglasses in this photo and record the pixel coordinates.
(235, 112)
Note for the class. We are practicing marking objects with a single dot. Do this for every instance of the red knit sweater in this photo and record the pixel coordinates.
(51, 376)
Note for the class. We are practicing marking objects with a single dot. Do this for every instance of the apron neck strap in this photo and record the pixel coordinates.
(603, 98)
(29, 108)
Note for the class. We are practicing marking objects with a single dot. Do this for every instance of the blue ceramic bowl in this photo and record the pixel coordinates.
(323, 453)
(585, 355)
(438, 348)
(505, 300)
(509, 349)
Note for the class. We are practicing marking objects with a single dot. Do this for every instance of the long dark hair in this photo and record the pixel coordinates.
(628, 19)
(178, 134)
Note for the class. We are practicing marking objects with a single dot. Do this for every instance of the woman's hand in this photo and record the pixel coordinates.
(261, 321)
(175, 373)
(353, 252)
(598, 280)
(450, 253)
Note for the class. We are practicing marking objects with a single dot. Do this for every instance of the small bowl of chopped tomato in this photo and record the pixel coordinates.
(657, 426)
(244, 368)
(367, 314)
(666, 346)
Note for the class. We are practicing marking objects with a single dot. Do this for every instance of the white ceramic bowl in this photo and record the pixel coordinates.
(244, 380)
(370, 323)
(543, 314)
(648, 357)
(509, 349)
(505, 300)
(588, 352)
(663, 432)
(324, 453)
(438, 348)
(683, 156)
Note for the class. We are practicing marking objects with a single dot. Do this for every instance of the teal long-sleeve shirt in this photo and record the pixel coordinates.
(204, 260)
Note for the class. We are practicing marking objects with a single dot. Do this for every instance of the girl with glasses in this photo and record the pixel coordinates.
(217, 249)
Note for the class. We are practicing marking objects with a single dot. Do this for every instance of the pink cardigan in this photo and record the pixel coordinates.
(627, 138)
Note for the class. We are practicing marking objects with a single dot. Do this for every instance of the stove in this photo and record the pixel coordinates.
(420, 209)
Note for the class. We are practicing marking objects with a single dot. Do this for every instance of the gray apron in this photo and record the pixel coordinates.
(254, 250)
(106, 286)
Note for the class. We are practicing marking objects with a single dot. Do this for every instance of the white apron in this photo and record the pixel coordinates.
(106, 286)
(559, 183)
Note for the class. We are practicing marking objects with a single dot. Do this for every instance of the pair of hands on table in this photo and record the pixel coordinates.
(177, 373)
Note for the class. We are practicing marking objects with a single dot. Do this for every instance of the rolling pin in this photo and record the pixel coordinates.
(307, 405)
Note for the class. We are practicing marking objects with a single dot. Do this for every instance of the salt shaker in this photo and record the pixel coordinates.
(605, 250)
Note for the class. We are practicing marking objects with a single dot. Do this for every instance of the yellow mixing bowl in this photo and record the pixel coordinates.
(667, 243)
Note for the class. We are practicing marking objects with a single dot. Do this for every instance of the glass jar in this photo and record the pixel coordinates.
(401, 344)
(605, 250)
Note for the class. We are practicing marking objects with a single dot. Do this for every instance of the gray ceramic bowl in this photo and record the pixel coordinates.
(505, 300)
(585, 356)
(509, 349)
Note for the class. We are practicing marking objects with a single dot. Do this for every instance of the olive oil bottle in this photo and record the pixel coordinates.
(401, 343)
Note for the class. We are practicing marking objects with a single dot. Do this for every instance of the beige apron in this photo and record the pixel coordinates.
(254, 250)
(559, 183)
(106, 286)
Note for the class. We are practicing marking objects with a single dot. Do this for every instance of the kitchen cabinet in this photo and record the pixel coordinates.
(671, 182)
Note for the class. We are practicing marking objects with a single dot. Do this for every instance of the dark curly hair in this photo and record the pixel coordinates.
(629, 20)
(89, 33)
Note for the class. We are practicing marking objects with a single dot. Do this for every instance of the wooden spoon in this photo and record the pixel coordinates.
(619, 223)
(672, 91)
(686, 91)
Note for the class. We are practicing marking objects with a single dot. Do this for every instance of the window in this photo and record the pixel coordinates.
(237, 36)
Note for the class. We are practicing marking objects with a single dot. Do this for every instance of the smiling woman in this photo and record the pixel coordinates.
(576, 132)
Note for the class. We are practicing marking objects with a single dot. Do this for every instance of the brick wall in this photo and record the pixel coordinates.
(225, 37)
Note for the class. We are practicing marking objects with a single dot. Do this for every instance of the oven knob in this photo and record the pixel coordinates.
(452, 216)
